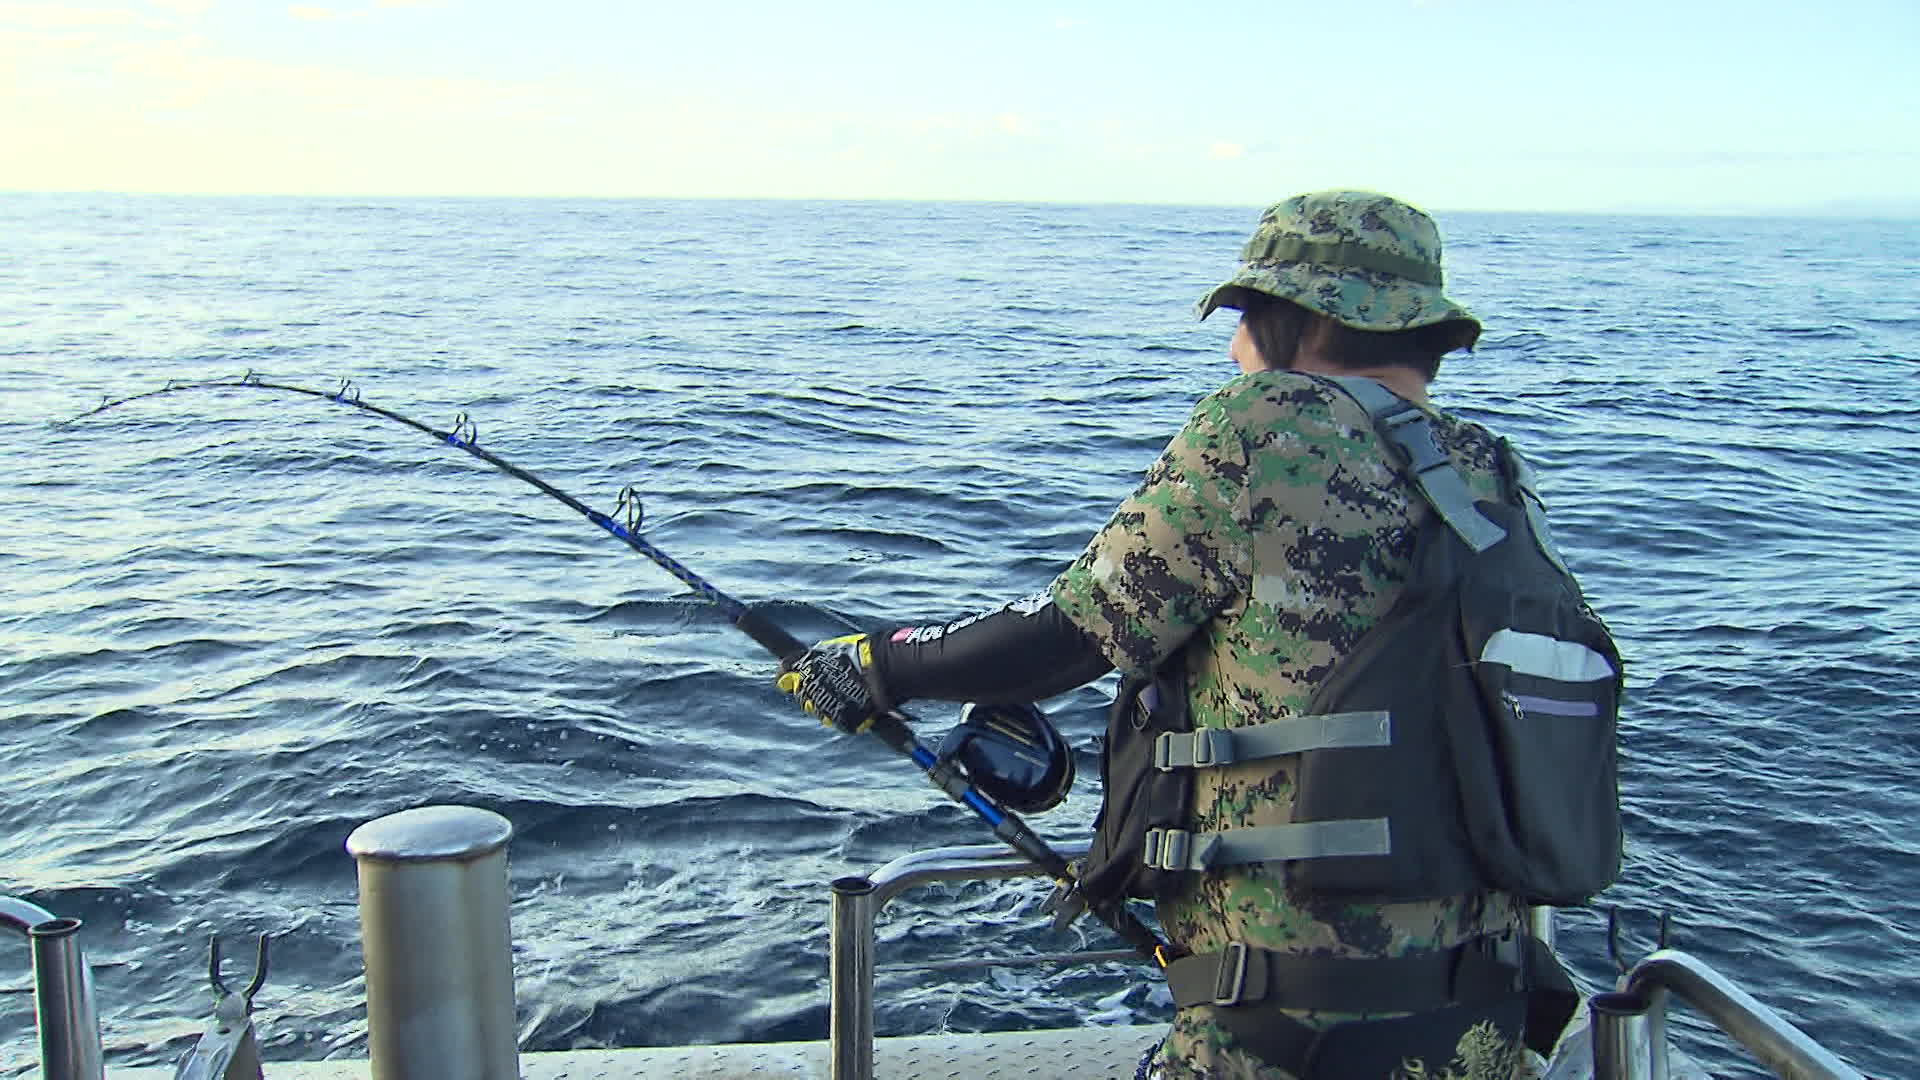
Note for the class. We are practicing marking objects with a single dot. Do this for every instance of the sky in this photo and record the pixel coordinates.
(1557, 105)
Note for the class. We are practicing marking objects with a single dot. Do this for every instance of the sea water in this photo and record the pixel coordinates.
(238, 623)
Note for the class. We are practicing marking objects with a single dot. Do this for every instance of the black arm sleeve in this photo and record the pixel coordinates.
(1016, 654)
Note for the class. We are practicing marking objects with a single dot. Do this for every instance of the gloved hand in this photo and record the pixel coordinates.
(836, 681)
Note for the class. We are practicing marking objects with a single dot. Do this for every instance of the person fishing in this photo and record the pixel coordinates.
(1271, 534)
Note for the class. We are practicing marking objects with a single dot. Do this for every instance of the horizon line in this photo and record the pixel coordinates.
(1864, 208)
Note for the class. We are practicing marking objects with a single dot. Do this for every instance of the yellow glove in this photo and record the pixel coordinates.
(836, 681)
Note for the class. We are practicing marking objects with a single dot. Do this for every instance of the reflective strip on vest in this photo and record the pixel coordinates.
(1545, 657)
(1211, 747)
(1178, 849)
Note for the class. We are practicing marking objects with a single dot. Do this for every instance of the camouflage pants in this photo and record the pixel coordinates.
(1198, 1048)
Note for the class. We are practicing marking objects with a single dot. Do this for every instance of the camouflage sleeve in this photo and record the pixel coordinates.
(1174, 554)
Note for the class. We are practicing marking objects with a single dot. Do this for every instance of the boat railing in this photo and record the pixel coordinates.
(857, 902)
(1629, 1025)
(452, 862)
(62, 992)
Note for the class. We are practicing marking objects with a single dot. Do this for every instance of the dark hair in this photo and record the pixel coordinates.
(1277, 327)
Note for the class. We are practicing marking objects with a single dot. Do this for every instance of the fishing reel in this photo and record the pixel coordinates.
(1012, 754)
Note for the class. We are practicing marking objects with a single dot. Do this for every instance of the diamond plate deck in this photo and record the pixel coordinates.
(1105, 1053)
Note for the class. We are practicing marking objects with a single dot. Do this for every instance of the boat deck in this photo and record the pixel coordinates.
(1106, 1053)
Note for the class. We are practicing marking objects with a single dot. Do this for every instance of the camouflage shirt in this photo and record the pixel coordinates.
(1273, 531)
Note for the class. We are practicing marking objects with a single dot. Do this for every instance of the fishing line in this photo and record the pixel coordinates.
(465, 435)
(891, 728)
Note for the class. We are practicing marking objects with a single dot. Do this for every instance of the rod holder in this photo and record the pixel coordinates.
(69, 1028)
(62, 992)
(1621, 1037)
(435, 939)
(850, 1021)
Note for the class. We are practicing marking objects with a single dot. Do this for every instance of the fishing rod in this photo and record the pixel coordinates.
(892, 727)
(465, 435)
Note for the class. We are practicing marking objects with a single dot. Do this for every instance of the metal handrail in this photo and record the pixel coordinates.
(1629, 1040)
(857, 902)
(62, 992)
(1627, 1025)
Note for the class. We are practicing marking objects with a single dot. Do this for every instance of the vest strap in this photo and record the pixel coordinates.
(1474, 972)
(1519, 473)
(1211, 747)
(1179, 849)
(1241, 974)
(1411, 430)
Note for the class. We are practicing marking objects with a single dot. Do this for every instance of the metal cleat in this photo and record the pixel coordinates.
(227, 1050)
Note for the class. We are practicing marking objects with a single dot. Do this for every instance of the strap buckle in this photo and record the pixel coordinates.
(1230, 978)
(1422, 449)
(1206, 752)
(1204, 749)
(1166, 849)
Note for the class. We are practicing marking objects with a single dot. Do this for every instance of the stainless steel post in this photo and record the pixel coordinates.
(850, 1013)
(63, 1002)
(435, 938)
(1540, 923)
(62, 993)
(1660, 1051)
(1621, 1047)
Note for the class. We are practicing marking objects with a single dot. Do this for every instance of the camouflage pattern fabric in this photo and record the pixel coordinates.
(1360, 258)
(1273, 531)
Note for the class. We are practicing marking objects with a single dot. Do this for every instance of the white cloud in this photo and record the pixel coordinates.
(1226, 150)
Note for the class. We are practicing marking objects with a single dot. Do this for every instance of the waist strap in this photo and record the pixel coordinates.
(1417, 982)
(1470, 974)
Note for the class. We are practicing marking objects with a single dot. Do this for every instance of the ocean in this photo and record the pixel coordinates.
(237, 624)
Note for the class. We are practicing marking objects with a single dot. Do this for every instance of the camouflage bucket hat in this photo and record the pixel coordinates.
(1362, 259)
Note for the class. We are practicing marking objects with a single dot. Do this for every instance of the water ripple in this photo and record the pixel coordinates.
(238, 625)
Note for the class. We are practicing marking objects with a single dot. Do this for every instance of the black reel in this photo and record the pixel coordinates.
(1012, 754)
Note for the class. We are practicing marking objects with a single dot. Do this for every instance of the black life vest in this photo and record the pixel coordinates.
(1466, 743)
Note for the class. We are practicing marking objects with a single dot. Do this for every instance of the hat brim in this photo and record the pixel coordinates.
(1362, 299)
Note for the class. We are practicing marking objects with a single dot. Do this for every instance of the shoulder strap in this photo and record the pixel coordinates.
(1410, 430)
(1527, 495)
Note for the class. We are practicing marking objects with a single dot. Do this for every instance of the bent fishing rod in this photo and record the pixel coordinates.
(892, 727)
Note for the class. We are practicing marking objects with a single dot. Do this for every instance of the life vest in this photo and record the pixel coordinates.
(1466, 743)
